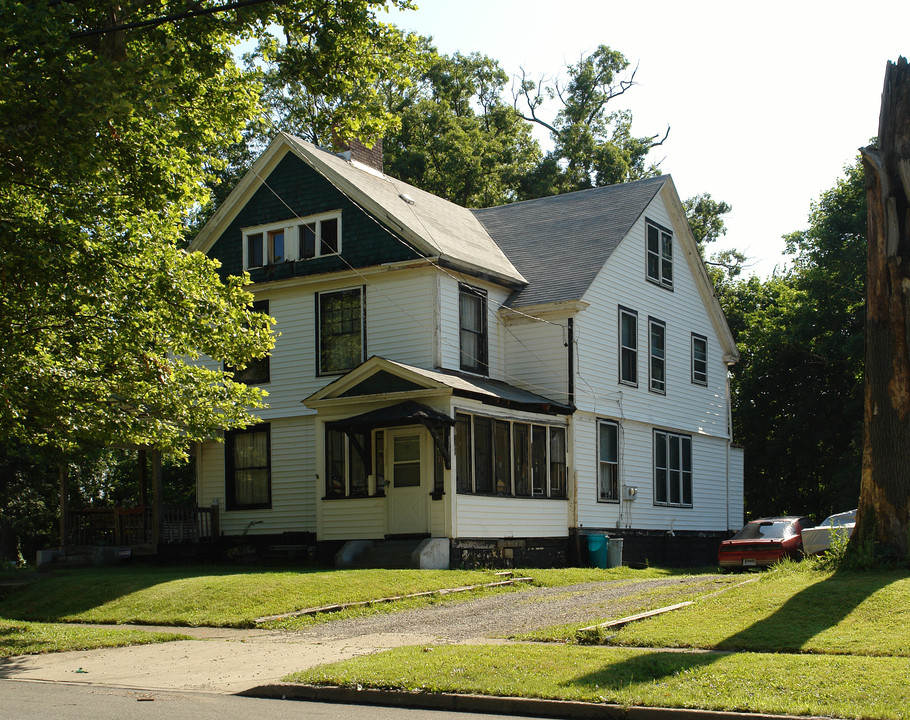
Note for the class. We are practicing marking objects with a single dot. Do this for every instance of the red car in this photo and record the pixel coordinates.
(763, 542)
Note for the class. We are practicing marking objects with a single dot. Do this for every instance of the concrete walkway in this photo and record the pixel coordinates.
(216, 660)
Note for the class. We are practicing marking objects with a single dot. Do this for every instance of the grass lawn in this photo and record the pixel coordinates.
(25, 638)
(844, 686)
(829, 643)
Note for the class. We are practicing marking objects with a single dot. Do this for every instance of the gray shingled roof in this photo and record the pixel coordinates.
(560, 243)
(436, 226)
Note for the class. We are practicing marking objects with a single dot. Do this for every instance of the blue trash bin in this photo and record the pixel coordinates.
(598, 550)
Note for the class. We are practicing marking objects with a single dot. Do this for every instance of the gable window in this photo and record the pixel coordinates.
(248, 468)
(320, 236)
(472, 320)
(657, 332)
(509, 458)
(628, 346)
(659, 254)
(276, 246)
(346, 473)
(254, 254)
(672, 469)
(257, 371)
(608, 474)
(699, 359)
(341, 329)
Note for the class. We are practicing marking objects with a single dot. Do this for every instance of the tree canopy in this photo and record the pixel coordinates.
(112, 119)
(797, 390)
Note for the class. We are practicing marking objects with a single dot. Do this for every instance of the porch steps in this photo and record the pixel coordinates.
(389, 554)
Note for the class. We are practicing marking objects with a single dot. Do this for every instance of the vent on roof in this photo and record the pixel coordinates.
(407, 198)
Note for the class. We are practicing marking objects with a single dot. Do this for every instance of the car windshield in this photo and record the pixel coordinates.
(845, 518)
(773, 529)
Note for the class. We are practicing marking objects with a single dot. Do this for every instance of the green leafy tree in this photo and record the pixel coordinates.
(457, 138)
(593, 145)
(705, 215)
(112, 120)
(797, 390)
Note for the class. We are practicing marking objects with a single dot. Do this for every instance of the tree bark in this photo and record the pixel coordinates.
(883, 520)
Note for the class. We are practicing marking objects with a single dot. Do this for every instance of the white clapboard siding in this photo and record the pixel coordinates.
(710, 486)
(449, 327)
(347, 518)
(537, 358)
(293, 482)
(686, 406)
(498, 517)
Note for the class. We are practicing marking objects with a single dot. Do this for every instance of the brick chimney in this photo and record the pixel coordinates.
(357, 151)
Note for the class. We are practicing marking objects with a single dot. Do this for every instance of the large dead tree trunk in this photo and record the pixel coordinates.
(884, 502)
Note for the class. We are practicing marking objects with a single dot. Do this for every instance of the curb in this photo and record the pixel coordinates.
(569, 709)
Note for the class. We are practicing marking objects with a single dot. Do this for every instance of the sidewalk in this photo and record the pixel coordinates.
(252, 662)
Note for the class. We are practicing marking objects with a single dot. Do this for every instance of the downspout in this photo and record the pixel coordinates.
(571, 359)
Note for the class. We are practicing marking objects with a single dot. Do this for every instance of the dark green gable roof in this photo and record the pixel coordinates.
(293, 189)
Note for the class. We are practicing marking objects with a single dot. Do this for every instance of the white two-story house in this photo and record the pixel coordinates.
(497, 383)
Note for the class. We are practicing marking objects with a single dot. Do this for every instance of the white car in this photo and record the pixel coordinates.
(818, 539)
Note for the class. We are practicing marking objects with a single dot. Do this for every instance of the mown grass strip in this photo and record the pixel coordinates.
(24, 638)
(748, 682)
(791, 609)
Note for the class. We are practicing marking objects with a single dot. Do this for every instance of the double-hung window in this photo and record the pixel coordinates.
(248, 468)
(699, 359)
(320, 235)
(608, 471)
(472, 320)
(257, 371)
(659, 254)
(341, 330)
(672, 469)
(657, 333)
(628, 346)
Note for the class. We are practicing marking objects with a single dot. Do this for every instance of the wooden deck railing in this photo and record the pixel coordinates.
(136, 526)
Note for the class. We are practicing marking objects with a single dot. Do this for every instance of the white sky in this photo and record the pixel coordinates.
(767, 102)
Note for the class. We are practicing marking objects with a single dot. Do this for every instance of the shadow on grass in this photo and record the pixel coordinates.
(787, 629)
(68, 593)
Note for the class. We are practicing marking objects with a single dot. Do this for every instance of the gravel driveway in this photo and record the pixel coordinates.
(503, 614)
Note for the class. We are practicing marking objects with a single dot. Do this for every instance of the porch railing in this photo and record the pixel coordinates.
(136, 526)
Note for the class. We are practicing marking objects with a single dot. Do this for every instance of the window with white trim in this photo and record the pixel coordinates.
(341, 330)
(672, 469)
(659, 254)
(293, 239)
(657, 367)
(514, 458)
(608, 464)
(628, 346)
(699, 359)
(319, 235)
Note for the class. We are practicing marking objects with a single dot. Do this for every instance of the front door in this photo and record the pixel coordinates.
(407, 491)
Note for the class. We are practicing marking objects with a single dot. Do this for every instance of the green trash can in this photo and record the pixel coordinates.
(598, 550)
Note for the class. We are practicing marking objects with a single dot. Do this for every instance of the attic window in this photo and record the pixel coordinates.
(660, 255)
(320, 235)
(293, 239)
